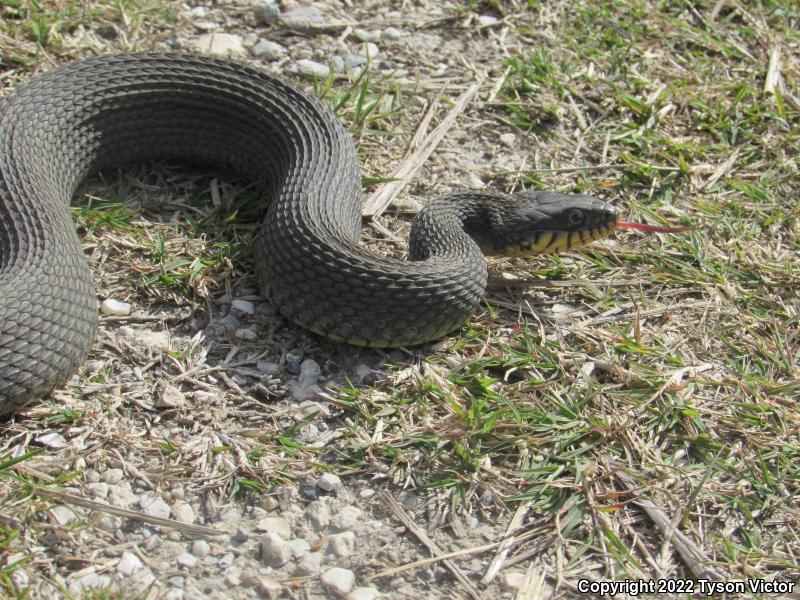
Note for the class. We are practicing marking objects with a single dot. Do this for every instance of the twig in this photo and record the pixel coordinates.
(127, 513)
(772, 82)
(455, 554)
(387, 192)
(508, 541)
(690, 552)
(722, 170)
(399, 512)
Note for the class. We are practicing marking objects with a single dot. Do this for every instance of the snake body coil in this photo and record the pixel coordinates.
(102, 112)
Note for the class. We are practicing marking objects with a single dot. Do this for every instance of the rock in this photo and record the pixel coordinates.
(93, 367)
(508, 140)
(330, 482)
(366, 493)
(113, 476)
(309, 490)
(183, 512)
(342, 544)
(200, 548)
(339, 581)
(109, 523)
(90, 581)
(487, 20)
(185, 559)
(299, 547)
(268, 50)
(293, 360)
(247, 334)
(266, 13)
(319, 513)
(142, 579)
(206, 25)
(170, 397)
(371, 50)
(128, 564)
(244, 307)
(222, 45)
(277, 525)
(309, 564)
(153, 505)
(364, 593)
(203, 397)
(474, 182)
(233, 578)
(98, 490)
(52, 439)
(409, 499)
(268, 368)
(174, 594)
(230, 321)
(302, 393)
(121, 496)
(311, 68)
(365, 374)
(275, 551)
(346, 518)
(351, 61)
(153, 542)
(61, 515)
(227, 560)
(393, 34)
(302, 18)
(309, 372)
(362, 35)
(269, 587)
(115, 308)
(511, 582)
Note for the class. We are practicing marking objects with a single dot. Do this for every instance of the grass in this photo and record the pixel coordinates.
(672, 359)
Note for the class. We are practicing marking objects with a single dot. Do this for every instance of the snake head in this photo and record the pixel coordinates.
(543, 222)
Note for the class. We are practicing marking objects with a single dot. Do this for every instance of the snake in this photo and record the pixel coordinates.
(88, 115)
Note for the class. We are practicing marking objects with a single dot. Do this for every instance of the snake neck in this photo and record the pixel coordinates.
(458, 223)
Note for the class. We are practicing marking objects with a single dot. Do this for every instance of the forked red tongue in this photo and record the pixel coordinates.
(653, 228)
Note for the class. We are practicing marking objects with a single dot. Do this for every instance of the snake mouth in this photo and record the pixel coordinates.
(550, 241)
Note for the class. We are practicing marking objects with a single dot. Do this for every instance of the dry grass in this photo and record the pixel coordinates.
(630, 409)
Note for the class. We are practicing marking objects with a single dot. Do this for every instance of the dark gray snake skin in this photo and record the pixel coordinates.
(103, 112)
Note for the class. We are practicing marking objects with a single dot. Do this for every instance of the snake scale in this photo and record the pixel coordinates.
(102, 112)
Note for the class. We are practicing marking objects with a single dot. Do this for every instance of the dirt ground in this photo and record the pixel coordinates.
(623, 414)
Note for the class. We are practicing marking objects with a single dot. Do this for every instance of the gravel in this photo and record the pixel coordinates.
(338, 580)
(268, 50)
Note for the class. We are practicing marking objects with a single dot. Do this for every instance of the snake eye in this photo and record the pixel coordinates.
(575, 217)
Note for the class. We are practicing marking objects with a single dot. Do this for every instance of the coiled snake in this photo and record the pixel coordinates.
(101, 112)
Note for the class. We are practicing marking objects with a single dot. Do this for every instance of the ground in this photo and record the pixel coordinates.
(623, 412)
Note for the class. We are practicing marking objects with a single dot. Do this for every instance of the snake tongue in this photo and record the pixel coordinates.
(653, 228)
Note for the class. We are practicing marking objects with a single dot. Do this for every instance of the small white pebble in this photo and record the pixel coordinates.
(186, 560)
(246, 334)
(243, 306)
(329, 482)
(508, 140)
(52, 439)
(201, 548)
(339, 581)
(128, 564)
(115, 308)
